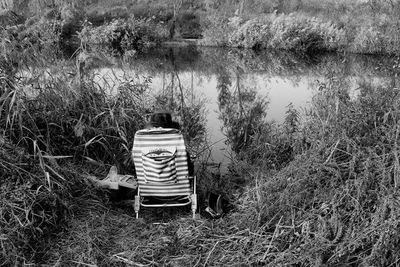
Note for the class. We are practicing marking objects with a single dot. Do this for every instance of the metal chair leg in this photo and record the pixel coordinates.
(194, 198)
(194, 205)
(137, 204)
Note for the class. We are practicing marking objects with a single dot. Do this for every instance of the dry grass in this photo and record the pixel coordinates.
(36, 201)
(115, 238)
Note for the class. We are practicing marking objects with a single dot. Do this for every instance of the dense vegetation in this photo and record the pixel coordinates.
(321, 189)
(309, 26)
(334, 199)
(302, 25)
(59, 124)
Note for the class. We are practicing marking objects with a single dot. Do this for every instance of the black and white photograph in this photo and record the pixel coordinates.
(200, 133)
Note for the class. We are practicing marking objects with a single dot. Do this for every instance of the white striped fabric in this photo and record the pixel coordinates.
(165, 177)
(159, 166)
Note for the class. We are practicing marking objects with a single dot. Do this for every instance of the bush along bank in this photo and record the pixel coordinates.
(296, 33)
(302, 33)
(337, 201)
(125, 34)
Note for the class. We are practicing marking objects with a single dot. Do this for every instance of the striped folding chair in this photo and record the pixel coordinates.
(160, 160)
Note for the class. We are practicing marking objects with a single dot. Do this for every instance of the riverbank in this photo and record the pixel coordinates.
(315, 191)
(322, 190)
(181, 43)
(295, 32)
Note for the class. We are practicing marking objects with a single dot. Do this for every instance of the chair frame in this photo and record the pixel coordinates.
(192, 200)
(190, 194)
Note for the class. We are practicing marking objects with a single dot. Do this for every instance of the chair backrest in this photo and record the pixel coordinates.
(161, 164)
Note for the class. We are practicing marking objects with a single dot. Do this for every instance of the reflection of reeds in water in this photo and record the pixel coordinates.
(288, 65)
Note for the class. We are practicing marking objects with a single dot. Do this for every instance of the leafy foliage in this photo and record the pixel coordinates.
(24, 43)
(216, 30)
(290, 32)
(380, 37)
(189, 25)
(305, 26)
(130, 34)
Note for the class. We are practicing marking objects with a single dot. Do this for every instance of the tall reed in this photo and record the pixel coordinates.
(54, 117)
(341, 187)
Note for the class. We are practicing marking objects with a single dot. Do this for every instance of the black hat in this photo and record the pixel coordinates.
(163, 119)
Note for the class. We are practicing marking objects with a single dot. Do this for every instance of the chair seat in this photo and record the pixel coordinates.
(162, 201)
(180, 188)
(161, 164)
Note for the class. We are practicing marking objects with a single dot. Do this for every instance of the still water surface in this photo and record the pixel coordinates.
(208, 74)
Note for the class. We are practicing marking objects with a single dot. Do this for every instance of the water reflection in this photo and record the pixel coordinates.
(240, 107)
(232, 91)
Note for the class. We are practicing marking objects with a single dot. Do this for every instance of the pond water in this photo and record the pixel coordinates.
(215, 76)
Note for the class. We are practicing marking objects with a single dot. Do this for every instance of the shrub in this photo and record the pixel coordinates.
(27, 43)
(131, 34)
(72, 19)
(189, 25)
(368, 40)
(252, 34)
(216, 30)
(379, 36)
(289, 32)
